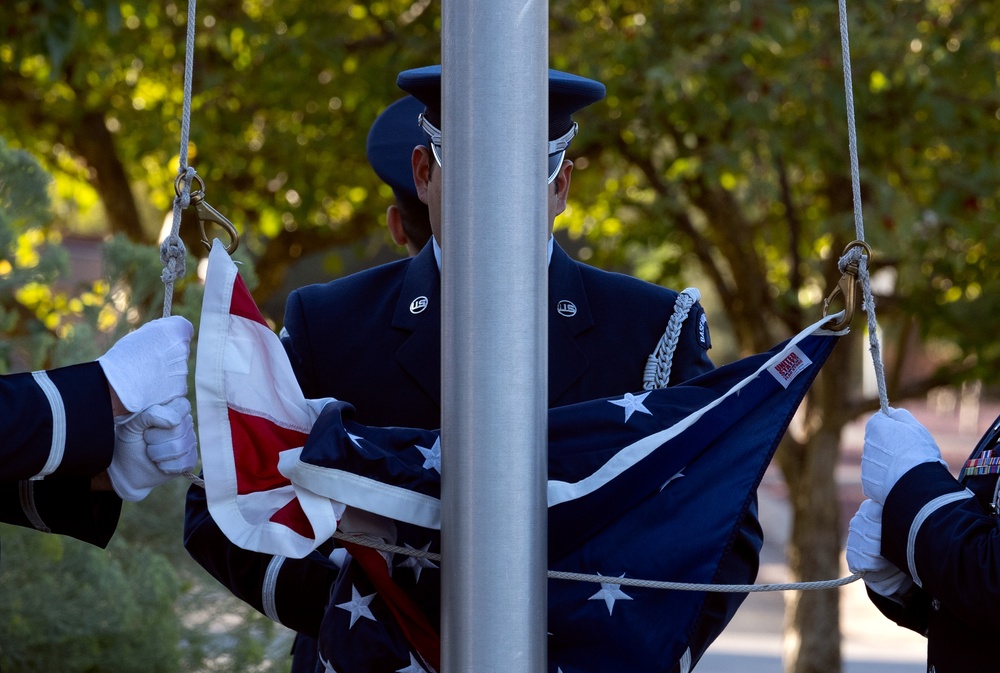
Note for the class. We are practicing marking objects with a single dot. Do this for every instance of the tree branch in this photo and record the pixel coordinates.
(92, 141)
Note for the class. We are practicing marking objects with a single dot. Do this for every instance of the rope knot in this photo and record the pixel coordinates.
(172, 256)
(854, 253)
(182, 186)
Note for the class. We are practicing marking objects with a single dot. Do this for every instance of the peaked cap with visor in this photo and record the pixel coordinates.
(567, 94)
(391, 141)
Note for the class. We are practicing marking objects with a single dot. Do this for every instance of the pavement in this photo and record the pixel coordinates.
(753, 642)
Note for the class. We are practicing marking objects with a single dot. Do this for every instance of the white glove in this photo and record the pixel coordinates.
(151, 448)
(894, 444)
(864, 553)
(149, 366)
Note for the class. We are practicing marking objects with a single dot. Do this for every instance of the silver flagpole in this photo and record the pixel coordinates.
(494, 336)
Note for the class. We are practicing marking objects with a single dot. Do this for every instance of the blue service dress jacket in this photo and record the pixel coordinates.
(940, 532)
(58, 433)
(379, 329)
(372, 339)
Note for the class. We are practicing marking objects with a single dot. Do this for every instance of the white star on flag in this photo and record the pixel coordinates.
(414, 667)
(416, 562)
(358, 606)
(432, 456)
(327, 666)
(610, 593)
(355, 438)
(632, 403)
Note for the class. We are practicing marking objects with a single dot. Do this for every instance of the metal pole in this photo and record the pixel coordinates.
(494, 336)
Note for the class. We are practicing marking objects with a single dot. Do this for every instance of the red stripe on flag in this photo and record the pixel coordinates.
(256, 445)
(419, 632)
(292, 516)
(242, 304)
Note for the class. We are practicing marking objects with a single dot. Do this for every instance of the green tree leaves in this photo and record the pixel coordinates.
(69, 606)
(718, 159)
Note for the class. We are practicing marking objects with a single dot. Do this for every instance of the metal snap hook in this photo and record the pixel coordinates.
(206, 213)
(848, 287)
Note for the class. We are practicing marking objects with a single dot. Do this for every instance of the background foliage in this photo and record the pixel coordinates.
(719, 159)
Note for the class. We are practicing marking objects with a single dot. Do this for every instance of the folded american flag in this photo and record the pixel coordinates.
(649, 485)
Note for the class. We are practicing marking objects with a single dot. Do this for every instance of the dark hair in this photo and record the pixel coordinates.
(416, 219)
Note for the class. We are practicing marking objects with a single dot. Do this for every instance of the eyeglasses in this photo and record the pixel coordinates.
(557, 147)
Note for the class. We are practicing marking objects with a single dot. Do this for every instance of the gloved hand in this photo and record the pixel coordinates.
(151, 448)
(894, 444)
(149, 366)
(864, 553)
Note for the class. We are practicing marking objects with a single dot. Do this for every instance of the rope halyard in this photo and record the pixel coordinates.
(854, 253)
(658, 368)
(379, 545)
(713, 588)
(657, 374)
(172, 252)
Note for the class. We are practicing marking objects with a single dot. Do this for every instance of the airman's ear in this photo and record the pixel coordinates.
(420, 162)
(394, 220)
(561, 184)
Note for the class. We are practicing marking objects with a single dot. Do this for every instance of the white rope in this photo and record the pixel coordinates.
(378, 545)
(852, 134)
(658, 367)
(172, 252)
(714, 588)
(660, 362)
(172, 249)
(657, 374)
(855, 254)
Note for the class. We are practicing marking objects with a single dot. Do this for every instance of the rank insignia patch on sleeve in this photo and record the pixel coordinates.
(704, 338)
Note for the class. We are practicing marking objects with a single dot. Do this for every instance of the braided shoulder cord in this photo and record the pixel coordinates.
(658, 365)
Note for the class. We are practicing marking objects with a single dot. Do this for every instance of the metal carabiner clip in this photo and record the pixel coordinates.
(848, 287)
(207, 213)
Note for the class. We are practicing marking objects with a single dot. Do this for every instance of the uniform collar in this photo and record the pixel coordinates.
(437, 250)
(419, 295)
(418, 311)
(568, 305)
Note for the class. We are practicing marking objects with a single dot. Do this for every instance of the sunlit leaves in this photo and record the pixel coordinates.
(280, 87)
(747, 99)
(724, 129)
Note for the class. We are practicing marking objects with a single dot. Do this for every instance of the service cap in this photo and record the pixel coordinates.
(391, 140)
(567, 94)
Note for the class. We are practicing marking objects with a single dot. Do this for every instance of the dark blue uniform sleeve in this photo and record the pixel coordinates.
(58, 433)
(935, 530)
(295, 324)
(691, 358)
(911, 612)
(292, 592)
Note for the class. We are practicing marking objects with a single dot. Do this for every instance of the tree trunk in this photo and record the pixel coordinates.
(93, 141)
(812, 618)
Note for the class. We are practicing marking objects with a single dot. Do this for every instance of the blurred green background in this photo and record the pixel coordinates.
(719, 159)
